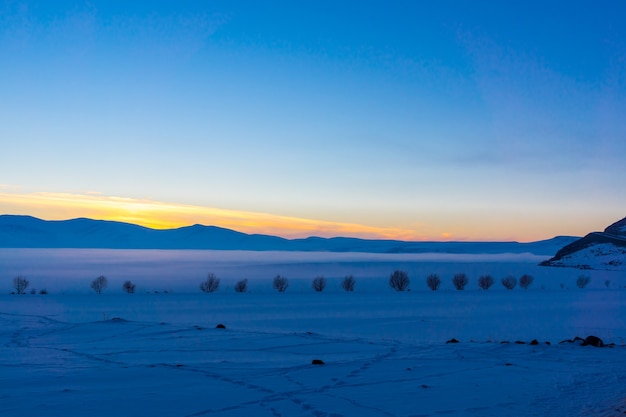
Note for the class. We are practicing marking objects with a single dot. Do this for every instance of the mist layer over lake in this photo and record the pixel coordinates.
(71, 270)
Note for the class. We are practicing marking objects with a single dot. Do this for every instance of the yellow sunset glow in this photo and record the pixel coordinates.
(160, 215)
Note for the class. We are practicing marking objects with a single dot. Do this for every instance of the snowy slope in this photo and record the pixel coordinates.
(597, 250)
(597, 256)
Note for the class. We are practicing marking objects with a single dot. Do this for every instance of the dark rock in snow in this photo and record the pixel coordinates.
(317, 362)
(571, 340)
(593, 341)
(220, 326)
(453, 340)
(588, 341)
(118, 320)
(534, 342)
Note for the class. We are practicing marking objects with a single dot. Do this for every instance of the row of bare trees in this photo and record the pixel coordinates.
(211, 284)
(280, 283)
(400, 281)
(99, 284)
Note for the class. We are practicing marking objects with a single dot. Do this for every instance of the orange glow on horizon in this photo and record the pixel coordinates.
(159, 215)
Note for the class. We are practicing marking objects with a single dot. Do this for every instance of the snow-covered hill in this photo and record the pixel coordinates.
(598, 250)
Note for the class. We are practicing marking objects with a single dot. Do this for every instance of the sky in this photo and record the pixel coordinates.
(447, 120)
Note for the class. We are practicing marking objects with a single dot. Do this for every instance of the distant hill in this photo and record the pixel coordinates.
(597, 250)
(31, 232)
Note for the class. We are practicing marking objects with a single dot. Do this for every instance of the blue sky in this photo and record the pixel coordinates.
(458, 120)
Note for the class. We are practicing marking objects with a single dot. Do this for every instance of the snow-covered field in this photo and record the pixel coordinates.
(181, 271)
(74, 353)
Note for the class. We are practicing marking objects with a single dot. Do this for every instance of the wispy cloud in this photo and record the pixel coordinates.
(161, 215)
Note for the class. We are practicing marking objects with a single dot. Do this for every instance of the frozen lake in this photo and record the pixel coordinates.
(71, 270)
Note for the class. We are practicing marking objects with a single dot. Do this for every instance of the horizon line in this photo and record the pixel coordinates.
(276, 236)
(162, 215)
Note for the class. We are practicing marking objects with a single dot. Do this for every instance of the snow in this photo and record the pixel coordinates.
(74, 353)
(71, 270)
(599, 256)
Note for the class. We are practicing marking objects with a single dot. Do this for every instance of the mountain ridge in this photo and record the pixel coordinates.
(20, 231)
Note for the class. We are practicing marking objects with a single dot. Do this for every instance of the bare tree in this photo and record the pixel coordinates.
(399, 280)
(211, 283)
(583, 281)
(485, 282)
(20, 283)
(241, 286)
(509, 282)
(99, 284)
(319, 283)
(460, 281)
(525, 281)
(280, 283)
(129, 287)
(348, 283)
(433, 281)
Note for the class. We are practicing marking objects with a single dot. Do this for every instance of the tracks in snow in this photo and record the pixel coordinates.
(231, 372)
